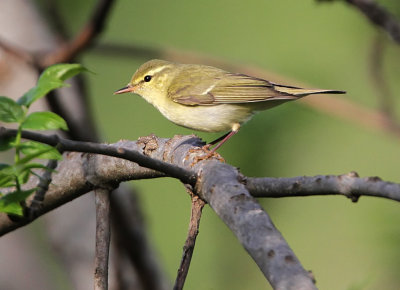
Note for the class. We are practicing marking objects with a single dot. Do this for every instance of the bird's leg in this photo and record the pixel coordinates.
(221, 140)
(208, 146)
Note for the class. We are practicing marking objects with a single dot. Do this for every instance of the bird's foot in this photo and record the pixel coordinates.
(208, 154)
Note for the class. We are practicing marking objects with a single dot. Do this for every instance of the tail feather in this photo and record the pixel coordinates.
(299, 92)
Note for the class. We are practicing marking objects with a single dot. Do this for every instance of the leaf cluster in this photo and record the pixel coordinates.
(17, 112)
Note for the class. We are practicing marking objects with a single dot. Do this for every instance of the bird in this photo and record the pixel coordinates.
(209, 99)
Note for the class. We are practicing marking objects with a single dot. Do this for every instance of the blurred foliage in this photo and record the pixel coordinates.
(325, 45)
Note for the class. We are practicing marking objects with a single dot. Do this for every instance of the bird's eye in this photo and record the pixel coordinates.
(147, 78)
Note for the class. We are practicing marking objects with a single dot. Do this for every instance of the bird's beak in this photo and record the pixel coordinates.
(126, 89)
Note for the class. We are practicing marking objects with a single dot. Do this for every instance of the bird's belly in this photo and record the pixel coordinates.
(208, 118)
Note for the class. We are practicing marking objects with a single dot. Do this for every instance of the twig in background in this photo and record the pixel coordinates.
(133, 245)
(378, 15)
(54, 16)
(384, 95)
(84, 38)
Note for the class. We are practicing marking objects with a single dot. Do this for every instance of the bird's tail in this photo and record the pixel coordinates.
(300, 92)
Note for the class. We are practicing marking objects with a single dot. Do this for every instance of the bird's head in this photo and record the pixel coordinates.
(151, 79)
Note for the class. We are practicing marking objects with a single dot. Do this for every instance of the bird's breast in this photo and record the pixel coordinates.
(214, 118)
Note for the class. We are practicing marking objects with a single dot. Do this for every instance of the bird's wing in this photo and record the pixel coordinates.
(225, 88)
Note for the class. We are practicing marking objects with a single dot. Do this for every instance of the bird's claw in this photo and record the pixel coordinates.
(209, 154)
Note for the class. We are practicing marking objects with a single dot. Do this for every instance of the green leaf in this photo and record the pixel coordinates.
(11, 208)
(52, 78)
(6, 143)
(44, 121)
(61, 71)
(7, 180)
(31, 156)
(23, 175)
(7, 175)
(32, 147)
(24, 171)
(39, 91)
(4, 165)
(10, 111)
(10, 203)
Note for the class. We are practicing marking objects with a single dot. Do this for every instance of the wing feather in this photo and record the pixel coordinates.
(212, 86)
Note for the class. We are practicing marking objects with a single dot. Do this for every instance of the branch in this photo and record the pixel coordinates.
(378, 16)
(103, 234)
(216, 183)
(349, 185)
(220, 186)
(188, 248)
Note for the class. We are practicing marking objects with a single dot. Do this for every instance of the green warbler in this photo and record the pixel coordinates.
(206, 98)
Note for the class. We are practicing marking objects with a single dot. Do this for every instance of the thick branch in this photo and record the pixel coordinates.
(349, 185)
(220, 186)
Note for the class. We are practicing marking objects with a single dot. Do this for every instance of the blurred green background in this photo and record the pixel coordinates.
(324, 45)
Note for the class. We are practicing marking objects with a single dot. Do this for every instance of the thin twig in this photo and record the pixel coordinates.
(103, 234)
(188, 248)
(43, 186)
(186, 176)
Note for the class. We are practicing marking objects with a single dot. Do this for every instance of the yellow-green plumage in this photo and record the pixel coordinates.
(206, 98)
